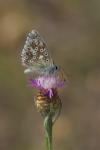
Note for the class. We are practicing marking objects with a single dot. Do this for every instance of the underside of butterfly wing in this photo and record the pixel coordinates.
(35, 54)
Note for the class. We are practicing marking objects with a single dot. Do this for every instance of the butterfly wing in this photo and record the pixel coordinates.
(35, 56)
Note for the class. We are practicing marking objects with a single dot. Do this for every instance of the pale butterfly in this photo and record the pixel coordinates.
(35, 56)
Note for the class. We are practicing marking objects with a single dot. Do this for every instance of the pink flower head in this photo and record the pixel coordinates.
(47, 83)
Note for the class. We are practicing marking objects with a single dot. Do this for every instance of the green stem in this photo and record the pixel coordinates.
(48, 131)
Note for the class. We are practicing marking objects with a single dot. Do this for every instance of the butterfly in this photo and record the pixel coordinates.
(35, 56)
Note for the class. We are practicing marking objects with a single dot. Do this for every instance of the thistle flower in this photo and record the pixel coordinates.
(46, 105)
(35, 57)
(47, 83)
(48, 102)
(49, 107)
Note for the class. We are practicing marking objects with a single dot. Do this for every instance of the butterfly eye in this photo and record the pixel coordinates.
(56, 67)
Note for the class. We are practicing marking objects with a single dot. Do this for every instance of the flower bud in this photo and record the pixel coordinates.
(46, 105)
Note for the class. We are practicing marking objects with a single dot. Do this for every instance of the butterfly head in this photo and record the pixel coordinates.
(54, 69)
(36, 57)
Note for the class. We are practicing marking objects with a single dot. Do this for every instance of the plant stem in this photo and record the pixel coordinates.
(48, 132)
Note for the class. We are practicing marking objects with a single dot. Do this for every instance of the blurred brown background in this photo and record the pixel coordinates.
(72, 31)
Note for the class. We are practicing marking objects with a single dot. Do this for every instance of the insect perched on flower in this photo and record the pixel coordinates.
(37, 60)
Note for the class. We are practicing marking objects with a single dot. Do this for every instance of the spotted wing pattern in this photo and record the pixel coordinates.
(35, 52)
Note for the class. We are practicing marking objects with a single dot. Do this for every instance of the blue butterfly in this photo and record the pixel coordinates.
(35, 56)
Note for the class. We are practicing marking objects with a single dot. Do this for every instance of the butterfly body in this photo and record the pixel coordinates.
(49, 70)
(36, 58)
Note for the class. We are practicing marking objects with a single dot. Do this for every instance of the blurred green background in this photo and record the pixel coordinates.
(72, 31)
